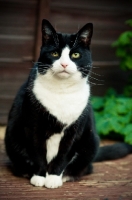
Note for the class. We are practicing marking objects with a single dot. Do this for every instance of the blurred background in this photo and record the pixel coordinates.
(20, 40)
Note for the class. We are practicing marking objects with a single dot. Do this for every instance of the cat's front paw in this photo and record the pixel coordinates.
(38, 181)
(53, 181)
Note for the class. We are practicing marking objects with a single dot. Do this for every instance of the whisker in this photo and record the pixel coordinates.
(32, 68)
(95, 73)
(95, 78)
(95, 67)
(36, 62)
(84, 73)
(45, 65)
(41, 64)
(94, 83)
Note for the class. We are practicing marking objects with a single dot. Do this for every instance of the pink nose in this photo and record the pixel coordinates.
(64, 65)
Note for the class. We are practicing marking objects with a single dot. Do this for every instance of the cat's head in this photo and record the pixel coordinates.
(65, 56)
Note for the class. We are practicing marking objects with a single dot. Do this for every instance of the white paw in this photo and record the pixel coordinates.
(53, 181)
(38, 181)
(66, 178)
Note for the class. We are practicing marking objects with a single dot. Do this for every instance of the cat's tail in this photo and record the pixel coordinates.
(111, 152)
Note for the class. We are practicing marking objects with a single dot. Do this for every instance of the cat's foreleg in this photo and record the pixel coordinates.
(58, 164)
(39, 175)
(54, 173)
(38, 179)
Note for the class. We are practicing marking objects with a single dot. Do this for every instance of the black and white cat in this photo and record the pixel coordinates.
(50, 133)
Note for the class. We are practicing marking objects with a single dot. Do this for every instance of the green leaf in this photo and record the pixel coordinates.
(113, 114)
(117, 127)
(120, 52)
(129, 22)
(124, 104)
(123, 64)
(129, 62)
(124, 48)
(103, 126)
(125, 38)
(121, 105)
(128, 91)
(128, 133)
(127, 129)
(108, 123)
(110, 105)
(125, 119)
(128, 138)
(111, 92)
(97, 102)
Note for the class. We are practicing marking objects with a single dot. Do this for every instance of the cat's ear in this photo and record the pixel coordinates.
(48, 33)
(84, 35)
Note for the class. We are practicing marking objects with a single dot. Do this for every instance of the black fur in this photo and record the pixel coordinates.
(30, 124)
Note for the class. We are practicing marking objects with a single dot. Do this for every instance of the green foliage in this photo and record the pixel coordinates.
(124, 48)
(113, 115)
(127, 91)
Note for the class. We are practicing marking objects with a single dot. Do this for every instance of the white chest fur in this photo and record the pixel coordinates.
(52, 145)
(63, 99)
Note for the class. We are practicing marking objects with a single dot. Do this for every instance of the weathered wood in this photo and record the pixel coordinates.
(43, 13)
(17, 34)
(20, 39)
(110, 180)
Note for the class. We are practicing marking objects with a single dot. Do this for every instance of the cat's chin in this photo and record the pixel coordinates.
(63, 75)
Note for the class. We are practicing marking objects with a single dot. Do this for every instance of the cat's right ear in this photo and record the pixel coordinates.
(48, 33)
(84, 35)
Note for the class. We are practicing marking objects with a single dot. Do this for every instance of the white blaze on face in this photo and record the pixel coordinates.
(64, 67)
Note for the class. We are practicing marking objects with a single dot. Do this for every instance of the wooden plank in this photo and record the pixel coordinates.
(109, 180)
(12, 76)
(21, 49)
(103, 52)
(20, 10)
(17, 35)
(43, 13)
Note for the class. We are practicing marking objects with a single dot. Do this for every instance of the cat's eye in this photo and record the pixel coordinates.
(55, 54)
(75, 55)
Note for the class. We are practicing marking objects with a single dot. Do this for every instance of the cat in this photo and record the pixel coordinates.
(51, 132)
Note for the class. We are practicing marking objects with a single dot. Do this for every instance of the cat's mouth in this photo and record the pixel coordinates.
(63, 72)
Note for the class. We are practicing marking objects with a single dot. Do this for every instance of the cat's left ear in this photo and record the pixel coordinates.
(48, 33)
(84, 35)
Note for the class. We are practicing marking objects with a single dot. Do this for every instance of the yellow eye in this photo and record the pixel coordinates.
(75, 55)
(55, 54)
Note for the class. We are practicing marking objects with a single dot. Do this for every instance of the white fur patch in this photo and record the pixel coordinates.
(38, 181)
(62, 91)
(58, 69)
(53, 181)
(64, 99)
(52, 145)
(66, 178)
